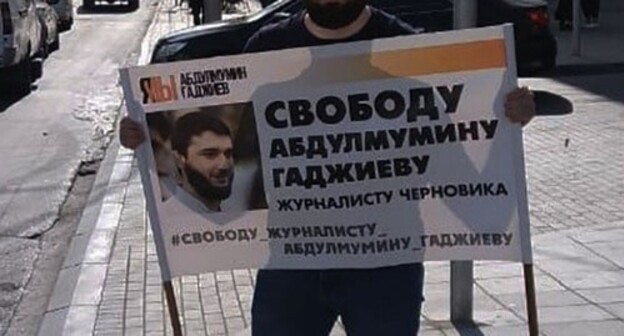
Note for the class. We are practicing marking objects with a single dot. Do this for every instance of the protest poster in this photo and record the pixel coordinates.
(357, 155)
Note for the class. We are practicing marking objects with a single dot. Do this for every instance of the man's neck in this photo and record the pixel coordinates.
(341, 33)
(211, 204)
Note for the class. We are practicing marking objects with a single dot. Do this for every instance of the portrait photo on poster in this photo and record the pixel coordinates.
(208, 158)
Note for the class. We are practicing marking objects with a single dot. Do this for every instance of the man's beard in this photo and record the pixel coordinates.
(204, 188)
(334, 16)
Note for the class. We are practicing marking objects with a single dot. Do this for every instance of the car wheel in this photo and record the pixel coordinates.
(43, 49)
(88, 4)
(64, 25)
(133, 5)
(36, 66)
(56, 44)
(23, 77)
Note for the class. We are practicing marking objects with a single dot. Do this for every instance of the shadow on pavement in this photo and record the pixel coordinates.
(9, 98)
(607, 84)
(587, 70)
(468, 329)
(6, 100)
(464, 328)
(551, 104)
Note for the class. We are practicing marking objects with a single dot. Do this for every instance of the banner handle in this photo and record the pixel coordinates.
(173, 308)
(462, 277)
(529, 287)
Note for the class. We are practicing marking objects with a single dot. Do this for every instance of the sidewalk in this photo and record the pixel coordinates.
(601, 45)
(110, 283)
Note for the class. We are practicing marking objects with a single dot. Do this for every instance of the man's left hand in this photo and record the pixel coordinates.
(520, 106)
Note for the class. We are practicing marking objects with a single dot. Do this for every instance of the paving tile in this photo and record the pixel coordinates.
(592, 280)
(109, 216)
(604, 295)
(133, 322)
(100, 244)
(90, 283)
(133, 332)
(616, 309)
(572, 314)
(80, 320)
(517, 302)
(109, 332)
(497, 269)
(192, 314)
(590, 237)
(587, 264)
(554, 247)
(500, 317)
(498, 286)
(611, 250)
(436, 304)
(154, 333)
(510, 330)
(210, 309)
(110, 317)
(102, 324)
(235, 324)
(431, 333)
(112, 304)
(154, 326)
(601, 328)
(215, 329)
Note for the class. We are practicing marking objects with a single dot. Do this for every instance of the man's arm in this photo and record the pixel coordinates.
(520, 106)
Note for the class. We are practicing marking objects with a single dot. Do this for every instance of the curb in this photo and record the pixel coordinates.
(73, 306)
(78, 288)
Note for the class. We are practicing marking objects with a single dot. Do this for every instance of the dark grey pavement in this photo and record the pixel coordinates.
(110, 284)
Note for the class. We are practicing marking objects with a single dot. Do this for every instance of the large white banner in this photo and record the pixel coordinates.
(356, 155)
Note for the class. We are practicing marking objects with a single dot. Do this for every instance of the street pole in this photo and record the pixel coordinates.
(576, 28)
(464, 16)
(212, 10)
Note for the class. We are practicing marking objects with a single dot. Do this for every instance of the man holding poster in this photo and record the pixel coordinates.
(374, 301)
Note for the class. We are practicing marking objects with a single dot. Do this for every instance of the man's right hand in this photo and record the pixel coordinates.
(131, 134)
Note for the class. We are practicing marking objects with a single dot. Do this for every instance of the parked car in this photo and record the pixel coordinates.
(49, 27)
(220, 38)
(65, 11)
(130, 4)
(20, 46)
(536, 47)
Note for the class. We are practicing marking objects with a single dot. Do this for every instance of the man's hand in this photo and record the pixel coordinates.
(520, 106)
(130, 133)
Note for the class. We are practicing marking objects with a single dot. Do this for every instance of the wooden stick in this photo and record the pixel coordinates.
(173, 308)
(529, 288)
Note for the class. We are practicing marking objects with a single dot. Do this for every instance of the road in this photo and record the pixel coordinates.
(50, 140)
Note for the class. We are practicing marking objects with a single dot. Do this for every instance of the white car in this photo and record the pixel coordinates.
(65, 11)
(130, 5)
(49, 27)
(20, 45)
